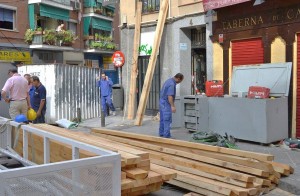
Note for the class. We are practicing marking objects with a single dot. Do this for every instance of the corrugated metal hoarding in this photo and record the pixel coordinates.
(68, 87)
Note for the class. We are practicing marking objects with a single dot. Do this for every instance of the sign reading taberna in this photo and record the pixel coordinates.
(214, 4)
(9, 56)
(108, 2)
(146, 43)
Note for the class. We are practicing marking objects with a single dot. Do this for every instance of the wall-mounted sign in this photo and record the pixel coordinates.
(9, 56)
(108, 63)
(214, 4)
(118, 59)
(146, 43)
(183, 46)
(221, 38)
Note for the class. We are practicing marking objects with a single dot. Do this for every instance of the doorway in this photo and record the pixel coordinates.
(153, 102)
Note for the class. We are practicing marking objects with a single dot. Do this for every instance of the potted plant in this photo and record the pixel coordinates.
(97, 45)
(49, 37)
(38, 31)
(150, 8)
(97, 37)
(102, 38)
(108, 39)
(29, 36)
(110, 46)
(68, 38)
(99, 10)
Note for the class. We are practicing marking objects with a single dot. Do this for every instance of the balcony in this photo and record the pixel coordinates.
(92, 8)
(100, 44)
(64, 4)
(49, 39)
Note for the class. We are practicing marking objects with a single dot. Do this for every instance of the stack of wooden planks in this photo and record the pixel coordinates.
(139, 177)
(206, 170)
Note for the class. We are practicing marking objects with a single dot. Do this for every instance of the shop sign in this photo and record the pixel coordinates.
(146, 44)
(214, 4)
(9, 56)
(118, 59)
(261, 19)
(183, 46)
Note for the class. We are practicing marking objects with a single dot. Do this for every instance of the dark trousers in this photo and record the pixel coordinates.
(40, 119)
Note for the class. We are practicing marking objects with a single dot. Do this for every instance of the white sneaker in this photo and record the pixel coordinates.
(114, 113)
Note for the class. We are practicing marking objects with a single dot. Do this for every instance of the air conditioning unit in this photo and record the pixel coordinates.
(77, 5)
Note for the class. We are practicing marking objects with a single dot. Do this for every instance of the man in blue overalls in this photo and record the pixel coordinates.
(105, 85)
(166, 104)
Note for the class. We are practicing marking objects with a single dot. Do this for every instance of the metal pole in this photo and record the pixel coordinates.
(120, 75)
(102, 114)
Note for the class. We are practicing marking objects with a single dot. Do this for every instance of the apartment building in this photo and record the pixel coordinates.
(30, 33)
(185, 45)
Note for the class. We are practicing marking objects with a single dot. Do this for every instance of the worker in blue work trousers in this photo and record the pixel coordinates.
(105, 85)
(167, 106)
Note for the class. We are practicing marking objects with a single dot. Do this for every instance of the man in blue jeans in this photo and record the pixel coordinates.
(166, 104)
(105, 85)
(38, 99)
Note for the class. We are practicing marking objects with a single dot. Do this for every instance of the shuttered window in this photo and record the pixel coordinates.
(298, 88)
(247, 52)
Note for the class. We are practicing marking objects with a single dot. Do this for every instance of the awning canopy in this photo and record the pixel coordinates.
(54, 12)
(96, 23)
(101, 24)
(31, 16)
(214, 4)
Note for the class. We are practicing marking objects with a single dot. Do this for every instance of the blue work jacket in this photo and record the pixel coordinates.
(105, 87)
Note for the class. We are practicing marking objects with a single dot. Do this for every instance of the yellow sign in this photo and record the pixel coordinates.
(8, 56)
(107, 60)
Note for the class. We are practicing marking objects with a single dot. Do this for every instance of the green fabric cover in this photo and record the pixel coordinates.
(31, 16)
(54, 12)
(86, 25)
(101, 24)
(89, 3)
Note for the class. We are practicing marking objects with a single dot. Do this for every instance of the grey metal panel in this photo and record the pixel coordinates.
(74, 87)
(258, 120)
(274, 76)
(202, 113)
(177, 117)
(190, 119)
(192, 126)
(190, 112)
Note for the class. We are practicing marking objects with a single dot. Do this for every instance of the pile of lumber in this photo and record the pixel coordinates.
(139, 177)
(207, 170)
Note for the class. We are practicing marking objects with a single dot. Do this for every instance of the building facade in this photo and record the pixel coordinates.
(32, 27)
(185, 46)
(264, 33)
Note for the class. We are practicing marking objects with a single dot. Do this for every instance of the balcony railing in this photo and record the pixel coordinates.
(49, 37)
(100, 11)
(150, 6)
(63, 2)
(100, 43)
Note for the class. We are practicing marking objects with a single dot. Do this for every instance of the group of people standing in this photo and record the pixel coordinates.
(24, 93)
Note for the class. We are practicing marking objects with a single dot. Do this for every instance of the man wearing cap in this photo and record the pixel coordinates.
(17, 88)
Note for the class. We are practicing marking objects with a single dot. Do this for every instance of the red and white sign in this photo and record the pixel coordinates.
(118, 59)
(214, 4)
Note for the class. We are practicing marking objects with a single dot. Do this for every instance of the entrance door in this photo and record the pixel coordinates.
(198, 70)
(153, 102)
(247, 52)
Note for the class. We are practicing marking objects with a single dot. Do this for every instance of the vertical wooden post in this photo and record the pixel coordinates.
(151, 66)
(134, 67)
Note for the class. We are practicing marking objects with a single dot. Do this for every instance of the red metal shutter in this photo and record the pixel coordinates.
(298, 88)
(246, 52)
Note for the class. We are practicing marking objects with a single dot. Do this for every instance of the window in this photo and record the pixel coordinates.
(7, 19)
(150, 6)
(72, 26)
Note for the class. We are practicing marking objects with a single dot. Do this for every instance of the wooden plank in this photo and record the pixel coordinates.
(204, 174)
(200, 158)
(165, 172)
(89, 139)
(241, 153)
(134, 67)
(284, 166)
(151, 66)
(135, 173)
(194, 188)
(123, 175)
(127, 184)
(192, 194)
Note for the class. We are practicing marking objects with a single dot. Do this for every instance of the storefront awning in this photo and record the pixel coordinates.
(89, 3)
(101, 24)
(86, 25)
(54, 12)
(214, 4)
